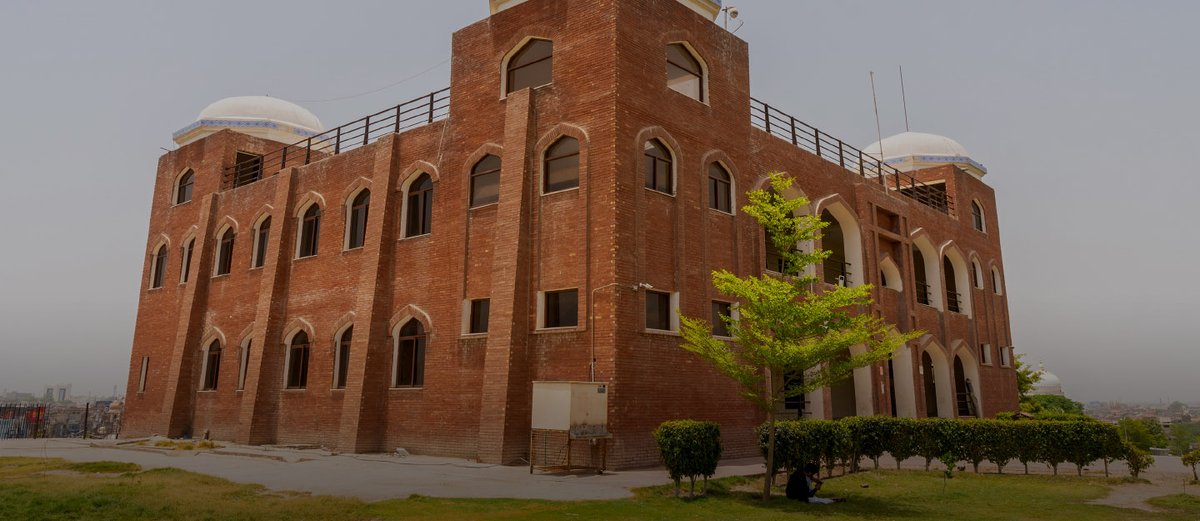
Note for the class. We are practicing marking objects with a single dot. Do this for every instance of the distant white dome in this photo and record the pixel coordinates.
(261, 116)
(1049, 384)
(909, 151)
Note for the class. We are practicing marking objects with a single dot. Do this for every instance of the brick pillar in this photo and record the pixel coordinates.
(364, 405)
(504, 417)
(260, 397)
(178, 400)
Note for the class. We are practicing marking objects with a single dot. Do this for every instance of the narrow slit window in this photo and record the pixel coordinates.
(183, 192)
(186, 268)
(225, 253)
(410, 356)
(158, 267)
(343, 359)
(297, 361)
(720, 188)
(212, 366)
(261, 239)
(356, 231)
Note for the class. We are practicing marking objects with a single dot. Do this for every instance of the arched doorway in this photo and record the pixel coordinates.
(930, 385)
(842, 399)
(965, 392)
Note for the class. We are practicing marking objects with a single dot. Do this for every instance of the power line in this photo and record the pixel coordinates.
(373, 91)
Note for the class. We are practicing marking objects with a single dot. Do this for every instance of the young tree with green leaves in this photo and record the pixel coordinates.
(784, 328)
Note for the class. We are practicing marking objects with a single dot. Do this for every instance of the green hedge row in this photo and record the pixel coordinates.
(847, 441)
(689, 448)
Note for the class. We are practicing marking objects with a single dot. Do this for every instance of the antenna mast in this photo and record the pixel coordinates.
(878, 129)
(904, 99)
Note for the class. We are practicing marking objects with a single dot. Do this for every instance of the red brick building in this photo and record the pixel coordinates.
(401, 281)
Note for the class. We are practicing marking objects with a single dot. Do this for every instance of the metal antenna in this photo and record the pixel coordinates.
(904, 99)
(878, 129)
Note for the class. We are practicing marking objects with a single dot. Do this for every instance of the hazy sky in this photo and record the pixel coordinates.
(1084, 112)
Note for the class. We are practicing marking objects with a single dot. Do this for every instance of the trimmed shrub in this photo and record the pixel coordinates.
(1001, 443)
(1137, 459)
(689, 448)
(903, 441)
(825, 442)
(869, 437)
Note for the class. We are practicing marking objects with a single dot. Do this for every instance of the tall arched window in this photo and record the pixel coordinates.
(485, 181)
(685, 75)
(310, 232)
(561, 165)
(158, 268)
(297, 361)
(419, 207)
(833, 239)
(262, 237)
(183, 189)
(997, 285)
(410, 356)
(659, 168)
(341, 364)
(954, 300)
(977, 216)
(356, 223)
(919, 274)
(212, 366)
(225, 253)
(720, 188)
(532, 66)
(186, 268)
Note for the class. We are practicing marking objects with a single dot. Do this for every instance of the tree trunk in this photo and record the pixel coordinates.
(770, 455)
(677, 487)
(1079, 470)
(1106, 467)
(1026, 463)
(876, 460)
(705, 492)
(976, 465)
(692, 492)
(1055, 467)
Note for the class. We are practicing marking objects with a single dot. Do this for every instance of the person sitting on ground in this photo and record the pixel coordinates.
(803, 485)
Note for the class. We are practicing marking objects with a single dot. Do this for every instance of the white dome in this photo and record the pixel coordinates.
(917, 144)
(915, 150)
(261, 108)
(1049, 384)
(260, 116)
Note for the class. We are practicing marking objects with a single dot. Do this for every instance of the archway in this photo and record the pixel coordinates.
(927, 273)
(904, 390)
(842, 398)
(966, 376)
(936, 380)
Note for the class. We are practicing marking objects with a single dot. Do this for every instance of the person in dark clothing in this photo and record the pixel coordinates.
(803, 485)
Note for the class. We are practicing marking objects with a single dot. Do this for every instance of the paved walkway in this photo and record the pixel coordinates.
(370, 477)
(374, 477)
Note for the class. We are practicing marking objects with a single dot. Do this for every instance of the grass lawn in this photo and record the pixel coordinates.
(55, 489)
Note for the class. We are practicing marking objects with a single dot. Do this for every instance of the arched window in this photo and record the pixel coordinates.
(532, 66)
(954, 300)
(356, 223)
(341, 363)
(183, 188)
(225, 253)
(976, 273)
(409, 366)
(659, 167)
(720, 188)
(212, 366)
(310, 232)
(244, 364)
(561, 165)
(833, 239)
(977, 216)
(997, 287)
(685, 75)
(262, 237)
(186, 268)
(920, 274)
(297, 361)
(419, 207)
(485, 181)
(158, 268)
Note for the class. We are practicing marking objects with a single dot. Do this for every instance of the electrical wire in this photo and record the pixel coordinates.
(380, 89)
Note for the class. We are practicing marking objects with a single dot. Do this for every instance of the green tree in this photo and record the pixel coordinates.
(1049, 403)
(1142, 433)
(784, 328)
(1182, 437)
(1027, 377)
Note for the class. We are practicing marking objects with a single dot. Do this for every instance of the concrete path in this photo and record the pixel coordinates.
(370, 477)
(373, 477)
